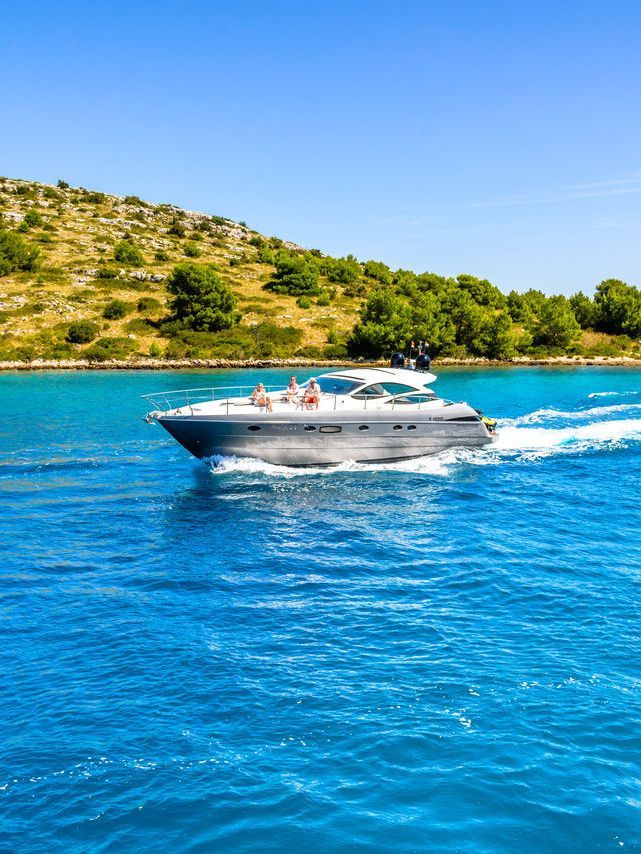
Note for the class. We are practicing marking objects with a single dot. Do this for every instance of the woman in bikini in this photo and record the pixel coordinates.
(261, 398)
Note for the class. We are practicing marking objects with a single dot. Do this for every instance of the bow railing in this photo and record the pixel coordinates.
(176, 399)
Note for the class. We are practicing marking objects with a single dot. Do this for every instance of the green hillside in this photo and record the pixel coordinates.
(86, 275)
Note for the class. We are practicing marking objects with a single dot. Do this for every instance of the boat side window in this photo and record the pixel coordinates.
(414, 398)
(336, 385)
(397, 388)
(383, 390)
(375, 390)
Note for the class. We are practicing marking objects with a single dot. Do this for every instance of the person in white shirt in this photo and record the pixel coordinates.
(292, 390)
(312, 394)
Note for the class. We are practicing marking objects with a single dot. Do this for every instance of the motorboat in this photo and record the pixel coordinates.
(366, 415)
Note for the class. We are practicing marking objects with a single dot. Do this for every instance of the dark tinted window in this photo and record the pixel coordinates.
(384, 389)
(375, 390)
(336, 385)
(397, 388)
(411, 398)
(417, 397)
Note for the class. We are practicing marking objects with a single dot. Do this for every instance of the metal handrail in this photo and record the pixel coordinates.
(176, 398)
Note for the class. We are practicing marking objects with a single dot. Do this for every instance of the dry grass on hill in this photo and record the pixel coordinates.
(76, 238)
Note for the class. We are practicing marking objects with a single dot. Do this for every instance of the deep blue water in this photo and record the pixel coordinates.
(438, 656)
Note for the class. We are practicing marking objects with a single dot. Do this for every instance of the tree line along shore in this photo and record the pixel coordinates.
(147, 364)
(89, 279)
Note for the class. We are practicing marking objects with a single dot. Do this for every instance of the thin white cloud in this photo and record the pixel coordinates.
(625, 185)
(611, 224)
(631, 179)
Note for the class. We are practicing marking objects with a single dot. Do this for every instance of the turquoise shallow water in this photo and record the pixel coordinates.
(441, 655)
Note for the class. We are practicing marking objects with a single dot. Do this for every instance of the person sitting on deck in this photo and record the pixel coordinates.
(261, 398)
(292, 390)
(312, 394)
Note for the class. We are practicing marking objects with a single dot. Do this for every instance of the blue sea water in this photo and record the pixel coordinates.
(441, 655)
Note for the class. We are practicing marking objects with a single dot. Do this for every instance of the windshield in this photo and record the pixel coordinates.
(383, 389)
(336, 385)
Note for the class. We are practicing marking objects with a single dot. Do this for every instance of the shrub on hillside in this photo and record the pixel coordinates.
(238, 260)
(304, 302)
(556, 325)
(33, 218)
(127, 252)
(148, 304)
(16, 253)
(618, 308)
(81, 332)
(356, 289)
(240, 342)
(176, 228)
(266, 255)
(201, 299)
(309, 352)
(335, 351)
(584, 310)
(161, 255)
(109, 348)
(115, 309)
(294, 275)
(135, 200)
(343, 271)
(95, 198)
(191, 249)
(140, 326)
(106, 272)
(482, 292)
(58, 350)
(62, 185)
(323, 299)
(379, 271)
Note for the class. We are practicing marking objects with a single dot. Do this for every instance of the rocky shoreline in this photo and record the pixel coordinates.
(208, 364)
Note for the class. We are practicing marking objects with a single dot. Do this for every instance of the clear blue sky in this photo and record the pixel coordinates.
(501, 139)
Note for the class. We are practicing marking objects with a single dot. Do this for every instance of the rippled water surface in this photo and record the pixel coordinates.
(440, 655)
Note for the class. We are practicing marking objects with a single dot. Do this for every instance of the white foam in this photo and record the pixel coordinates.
(437, 464)
(613, 393)
(542, 415)
(568, 438)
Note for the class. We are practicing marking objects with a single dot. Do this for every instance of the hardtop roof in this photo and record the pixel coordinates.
(406, 376)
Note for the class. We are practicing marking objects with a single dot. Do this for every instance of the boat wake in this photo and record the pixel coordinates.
(615, 394)
(540, 416)
(540, 434)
